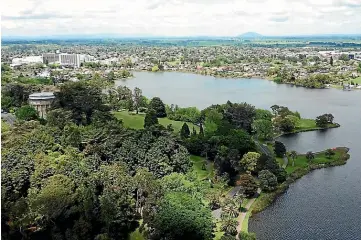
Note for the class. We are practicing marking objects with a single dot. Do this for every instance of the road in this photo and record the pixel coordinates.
(263, 148)
(9, 118)
(242, 215)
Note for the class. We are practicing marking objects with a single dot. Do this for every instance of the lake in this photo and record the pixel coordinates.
(325, 204)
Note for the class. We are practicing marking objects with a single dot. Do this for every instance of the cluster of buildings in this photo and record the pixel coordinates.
(64, 59)
(336, 54)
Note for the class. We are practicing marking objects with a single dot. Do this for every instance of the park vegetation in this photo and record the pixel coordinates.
(82, 174)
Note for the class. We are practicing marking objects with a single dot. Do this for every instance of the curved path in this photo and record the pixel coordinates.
(242, 215)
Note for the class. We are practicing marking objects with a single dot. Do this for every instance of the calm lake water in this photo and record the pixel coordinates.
(325, 204)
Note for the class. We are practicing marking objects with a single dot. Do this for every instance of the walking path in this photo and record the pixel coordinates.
(285, 161)
(242, 215)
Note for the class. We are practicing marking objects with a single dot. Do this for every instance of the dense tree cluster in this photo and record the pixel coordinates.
(189, 114)
(324, 120)
(16, 94)
(82, 178)
(285, 120)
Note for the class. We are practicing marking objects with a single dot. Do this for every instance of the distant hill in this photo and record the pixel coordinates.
(250, 35)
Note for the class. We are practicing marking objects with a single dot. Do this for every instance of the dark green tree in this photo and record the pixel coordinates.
(58, 118)
(240, 115)
(137, 98)
(184, 132)
(150, 118)
(286, 125)
(279, 149)
(329, 153)
(249, 185)
(331, 61)
(322, 121)
(180, 216)
(158, 106)
(26, 113)
(201, 131)
(81, 99)
(194, 132)
(268, 180)
(310, 156)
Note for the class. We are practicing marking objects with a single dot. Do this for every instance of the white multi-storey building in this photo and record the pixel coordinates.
(50, 58)
(69, 59)
(66, 59)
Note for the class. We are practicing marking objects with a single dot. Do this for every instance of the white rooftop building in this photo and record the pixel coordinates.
(26, 60)
(42, 102)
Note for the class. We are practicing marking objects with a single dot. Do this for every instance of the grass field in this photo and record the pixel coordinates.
(308, 124)
(198, 163)
(302, 162)
(137, 121)
(4, 126)
(357, 80)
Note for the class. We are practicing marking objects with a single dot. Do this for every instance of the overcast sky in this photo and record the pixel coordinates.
(179, 17)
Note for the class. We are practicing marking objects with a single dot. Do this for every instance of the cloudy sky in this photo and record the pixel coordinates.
(179, 17)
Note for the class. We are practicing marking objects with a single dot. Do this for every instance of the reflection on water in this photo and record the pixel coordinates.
(325, 204)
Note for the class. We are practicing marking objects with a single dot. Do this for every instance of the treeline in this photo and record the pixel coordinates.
(312, 81)
(84, 176)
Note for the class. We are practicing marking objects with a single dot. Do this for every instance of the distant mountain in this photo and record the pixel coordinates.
(250, 35)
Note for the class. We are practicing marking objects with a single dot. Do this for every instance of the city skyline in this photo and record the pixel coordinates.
(180, 18)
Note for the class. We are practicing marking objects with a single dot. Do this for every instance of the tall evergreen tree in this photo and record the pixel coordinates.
(331, 61)
(194, 132)
(201, 131)
(184, 133)
(150, 118)
(280, 149)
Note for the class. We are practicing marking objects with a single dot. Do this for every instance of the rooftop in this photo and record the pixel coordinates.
(41, 96)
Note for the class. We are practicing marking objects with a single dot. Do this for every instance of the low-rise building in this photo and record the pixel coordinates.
(41, 102)
(26, 60)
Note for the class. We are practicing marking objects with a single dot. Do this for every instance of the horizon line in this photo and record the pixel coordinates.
(116, 35)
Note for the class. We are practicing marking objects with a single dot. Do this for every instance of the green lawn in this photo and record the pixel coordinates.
(198, 163)
(302, 162)
(4, 126)
(308, 124)
(357, 80)
(137, 121)
(136, 235)
(218, 232)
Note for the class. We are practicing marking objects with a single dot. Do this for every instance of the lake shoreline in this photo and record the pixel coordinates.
(335, 125)
(266, 199)
(240, 78)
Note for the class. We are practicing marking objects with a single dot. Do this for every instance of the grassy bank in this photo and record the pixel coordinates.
(301, 168)
(306, 125)
(137, 121)
(203, 169)
(310, 125)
